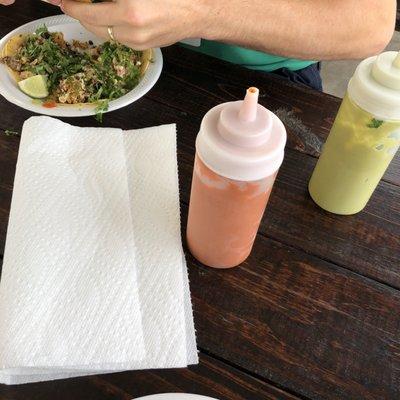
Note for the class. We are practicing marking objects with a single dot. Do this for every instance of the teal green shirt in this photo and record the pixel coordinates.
(249, 58)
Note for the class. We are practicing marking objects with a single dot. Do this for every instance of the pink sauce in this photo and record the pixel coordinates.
(224, 216)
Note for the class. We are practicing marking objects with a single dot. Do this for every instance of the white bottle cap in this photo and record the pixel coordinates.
(375, 86)
(242, 140)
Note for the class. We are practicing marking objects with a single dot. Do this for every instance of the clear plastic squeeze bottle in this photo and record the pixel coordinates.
(239, 150)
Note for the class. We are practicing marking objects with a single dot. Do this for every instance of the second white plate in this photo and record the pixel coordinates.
(175, 396)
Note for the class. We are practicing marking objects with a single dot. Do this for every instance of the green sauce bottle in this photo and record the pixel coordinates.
(364, 138)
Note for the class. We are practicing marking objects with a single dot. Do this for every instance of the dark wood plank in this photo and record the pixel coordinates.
(304, 323)
(80, 388)
(23, 12)
(209, 378)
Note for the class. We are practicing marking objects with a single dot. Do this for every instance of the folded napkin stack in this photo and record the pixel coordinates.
(94, 278)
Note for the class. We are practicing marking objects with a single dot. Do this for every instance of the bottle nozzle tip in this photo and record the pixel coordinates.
(252, 90)
(248, 109)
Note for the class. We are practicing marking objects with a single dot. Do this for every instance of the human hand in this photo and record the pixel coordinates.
(6, 2)
(141, 24)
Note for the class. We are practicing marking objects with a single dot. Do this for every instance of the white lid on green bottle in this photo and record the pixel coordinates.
(375, 86)
(242, 140)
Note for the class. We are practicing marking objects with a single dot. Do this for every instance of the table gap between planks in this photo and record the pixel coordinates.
(314, 312)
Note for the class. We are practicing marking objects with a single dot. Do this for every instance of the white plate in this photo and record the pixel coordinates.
(175, 396)
(72, 29)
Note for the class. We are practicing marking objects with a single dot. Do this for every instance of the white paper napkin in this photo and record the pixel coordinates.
(69, 295)
(151, 156)
(167, 320)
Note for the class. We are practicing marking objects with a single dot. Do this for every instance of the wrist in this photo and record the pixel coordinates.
(208, 22)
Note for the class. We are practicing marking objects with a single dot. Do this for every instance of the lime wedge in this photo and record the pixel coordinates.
(35, 86)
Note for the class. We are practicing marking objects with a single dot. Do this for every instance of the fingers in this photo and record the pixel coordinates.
(7, 2)
(98, 14)
(99, 31)
(138, 40)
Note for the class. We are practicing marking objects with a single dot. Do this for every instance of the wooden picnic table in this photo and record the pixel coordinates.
(314, 313)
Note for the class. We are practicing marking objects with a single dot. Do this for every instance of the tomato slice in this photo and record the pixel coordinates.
(49, 104)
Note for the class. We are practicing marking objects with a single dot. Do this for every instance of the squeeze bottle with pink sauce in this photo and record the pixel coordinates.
(239, 150)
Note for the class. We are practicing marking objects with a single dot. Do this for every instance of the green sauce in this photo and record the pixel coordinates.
(355, 156)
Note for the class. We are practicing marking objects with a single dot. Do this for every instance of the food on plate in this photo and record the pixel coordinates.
(47, 66)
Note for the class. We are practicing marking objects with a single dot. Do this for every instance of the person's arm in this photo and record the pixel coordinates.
(307, 29)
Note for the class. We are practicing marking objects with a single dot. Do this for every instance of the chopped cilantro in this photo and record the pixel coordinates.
(375, 123)
(102, 107)
(9, 132)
